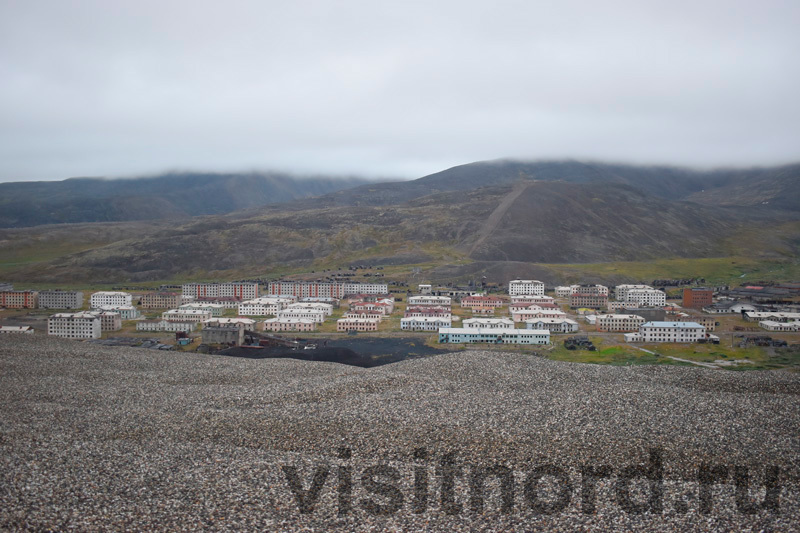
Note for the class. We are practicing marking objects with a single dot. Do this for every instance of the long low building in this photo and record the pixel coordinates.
(186, 315)
(489, 323)
(438, 301)
(493, 336)
(289, 324)
(165, 325)
(553, 325)
(672, 332)
(160, 300)
(127, 312)
(244, 290)
(425, 323)
(264, 306)
(619, 323)
(357, 324)
(771, 325)
(216, 309)
(13, 330)
(775, 316)
(540, 313)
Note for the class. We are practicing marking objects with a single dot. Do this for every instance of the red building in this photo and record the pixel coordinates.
(697, 297)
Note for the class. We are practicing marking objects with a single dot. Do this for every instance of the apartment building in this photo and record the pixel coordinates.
(327, 289)
(553, 325)
(60, 299)
(327, 309)
(646, 297)
(126, 312)
(246, 323)
(109, 320)
(425, 323)
(412, 312)
(316, 315)
(19, 299)
(771, 325)
(708, 322)
(102, 299)
(532, 299)
(424, 299)
(471, 302)
(216, 309)
(243, 290)
(289, 324)
(519, 287)
(160, 300)
(488, 323)
(522, 316)
(588, 300)
(377, 307)
(264, 306)
(186, 315)
(357, 324)
(621, 291)
(672, 332)
(165, 325)
(364, 314)
(776, 316)
(74, 325)
(618, 323)
(697, 297)
(565, 291)
(493, 336)
(228, 302)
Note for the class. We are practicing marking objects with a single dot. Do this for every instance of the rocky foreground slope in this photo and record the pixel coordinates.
(95, 438)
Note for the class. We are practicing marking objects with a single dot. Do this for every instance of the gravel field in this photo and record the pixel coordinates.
(100, 438)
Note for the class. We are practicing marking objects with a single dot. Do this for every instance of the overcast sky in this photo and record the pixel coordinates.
(392, 89)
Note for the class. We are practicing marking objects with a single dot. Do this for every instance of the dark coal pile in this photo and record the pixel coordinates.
(362, 352)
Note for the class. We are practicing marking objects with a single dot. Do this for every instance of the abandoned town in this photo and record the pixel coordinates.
(710, 325)
(392, 267)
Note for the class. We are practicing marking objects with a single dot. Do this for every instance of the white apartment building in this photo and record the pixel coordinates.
(240, 290)
(488, 323)
(327, 309)
(532, 299)
(621, 291)
(315, 315)
(165, 325)
(426, 299)
(493, 336)
(247, 323)
(519, 287)
(553, 325)
(522, 316)
(74, 325)
(432, 323)
(126, 312)
(264, 306)
(186, 315)
(672, 332)
(103, 299)
(565, 291)
(618, 323)
(616, 306)
(216, 309)
(647, 297)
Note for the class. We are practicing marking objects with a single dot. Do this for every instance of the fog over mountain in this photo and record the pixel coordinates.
(97, 88)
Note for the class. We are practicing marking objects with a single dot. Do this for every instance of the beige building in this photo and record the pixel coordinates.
(186, 315)
(109, 320)
(618, 323)
(357, 324)
(160, 300)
